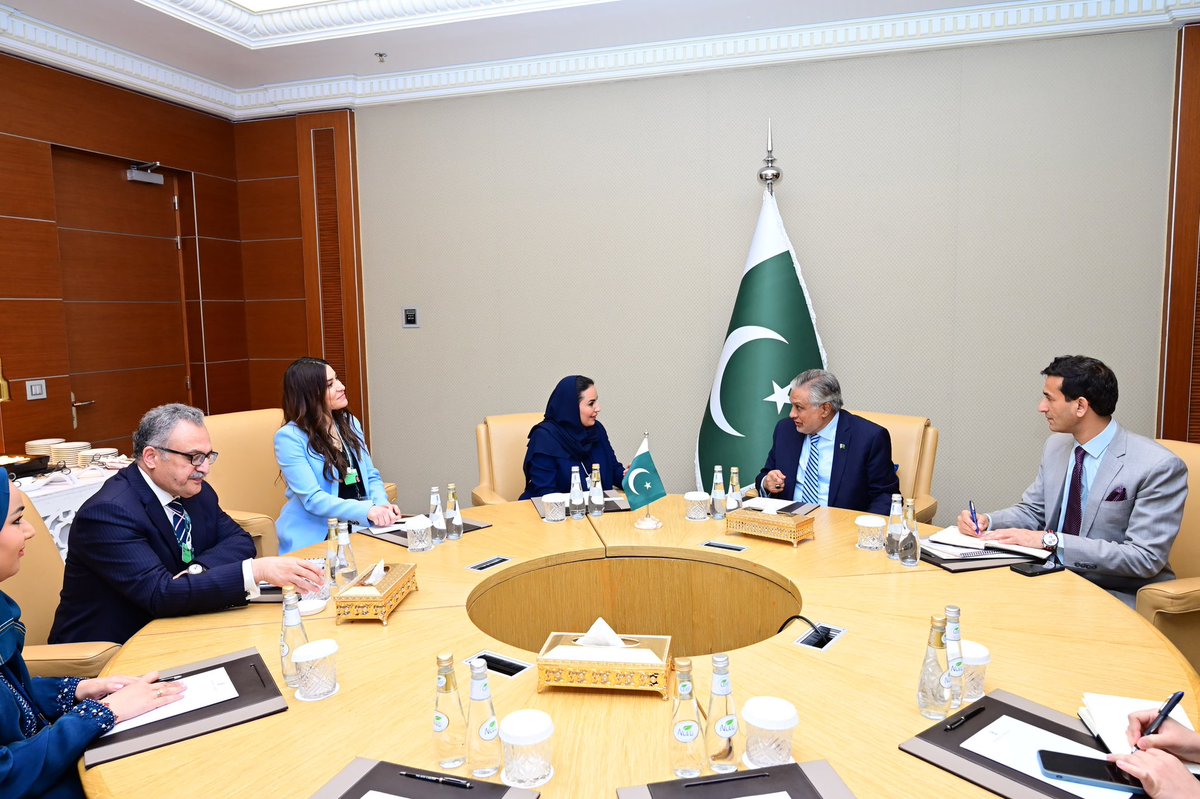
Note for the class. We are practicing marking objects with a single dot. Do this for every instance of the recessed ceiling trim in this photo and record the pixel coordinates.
(334, 19)
(1018, 20)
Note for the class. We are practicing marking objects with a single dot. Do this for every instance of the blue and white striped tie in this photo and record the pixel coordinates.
(810, 493)
(182, 524)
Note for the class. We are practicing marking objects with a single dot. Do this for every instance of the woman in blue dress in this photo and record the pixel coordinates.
(45, 724)
(323, 458)
(570, 435)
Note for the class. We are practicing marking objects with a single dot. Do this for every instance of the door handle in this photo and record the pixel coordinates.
(74, 413)
(83, 404)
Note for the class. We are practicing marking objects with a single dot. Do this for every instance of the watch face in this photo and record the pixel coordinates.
(195, 568)
(1049, 541)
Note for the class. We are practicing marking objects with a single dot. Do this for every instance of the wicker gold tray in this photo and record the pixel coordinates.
(767, 525)
(358, 601)
(564, 671)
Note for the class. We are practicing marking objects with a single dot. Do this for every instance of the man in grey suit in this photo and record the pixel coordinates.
(1109, 502)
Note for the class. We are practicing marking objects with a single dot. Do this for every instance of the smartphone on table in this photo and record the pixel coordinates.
(1087, 770)
(1037, 568)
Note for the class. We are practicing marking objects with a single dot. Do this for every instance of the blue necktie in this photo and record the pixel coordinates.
(182, 524)
(811, 492)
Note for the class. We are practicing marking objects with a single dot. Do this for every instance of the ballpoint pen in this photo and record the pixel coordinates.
(729, 778)
(455, 781)
(1163, 712)
(963, 719)
(974, 518)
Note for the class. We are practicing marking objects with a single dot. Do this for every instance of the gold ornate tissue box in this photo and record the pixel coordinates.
(770, 525)
(358, 601)
(642, 664)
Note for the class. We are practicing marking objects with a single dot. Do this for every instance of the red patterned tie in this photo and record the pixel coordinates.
(1074, 498)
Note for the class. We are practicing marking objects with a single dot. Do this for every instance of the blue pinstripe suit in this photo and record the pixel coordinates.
(123, 555)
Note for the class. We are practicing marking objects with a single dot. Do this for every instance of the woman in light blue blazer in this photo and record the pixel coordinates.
(323, 459)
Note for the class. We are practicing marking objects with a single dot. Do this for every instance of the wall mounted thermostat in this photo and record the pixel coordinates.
(410, 317)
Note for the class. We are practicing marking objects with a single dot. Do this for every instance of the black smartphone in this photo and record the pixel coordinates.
(1037, 568)
(1087, 770)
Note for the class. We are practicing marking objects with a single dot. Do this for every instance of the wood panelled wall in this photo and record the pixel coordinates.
(249, 247)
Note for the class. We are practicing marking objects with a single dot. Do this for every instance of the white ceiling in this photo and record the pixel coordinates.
(226, 57)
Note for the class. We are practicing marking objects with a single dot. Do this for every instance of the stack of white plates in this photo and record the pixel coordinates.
(68, 452)
(41, 446)
(88, 455)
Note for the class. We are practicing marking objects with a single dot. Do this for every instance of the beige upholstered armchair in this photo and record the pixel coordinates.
(246, 477)
(1174, 606)
(35, 588)
(914, 449)
(501, 442)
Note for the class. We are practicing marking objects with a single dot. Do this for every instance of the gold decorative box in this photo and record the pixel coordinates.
(643, 664)
(770, 525)
(358, 601)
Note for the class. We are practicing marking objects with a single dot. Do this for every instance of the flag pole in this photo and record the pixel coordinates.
(769, 173)
(647, 522)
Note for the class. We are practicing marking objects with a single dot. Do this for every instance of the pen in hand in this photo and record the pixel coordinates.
(974, 518)
(1163, 712)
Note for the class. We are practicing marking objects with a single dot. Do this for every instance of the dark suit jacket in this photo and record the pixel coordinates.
(123, 554)
(863, 476)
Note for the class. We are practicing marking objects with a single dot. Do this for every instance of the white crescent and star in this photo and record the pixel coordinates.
(780, 395)
(633, 476)
(734, 341)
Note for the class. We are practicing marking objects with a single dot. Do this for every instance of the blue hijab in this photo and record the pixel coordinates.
(569, 437)
(12, 631)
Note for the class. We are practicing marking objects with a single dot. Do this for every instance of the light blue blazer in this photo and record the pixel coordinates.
(312, 499)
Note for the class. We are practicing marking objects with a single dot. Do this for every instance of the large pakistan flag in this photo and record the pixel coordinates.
(772, 337)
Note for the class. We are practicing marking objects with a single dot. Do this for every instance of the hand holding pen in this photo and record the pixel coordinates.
(969, 523)
(1169, 735)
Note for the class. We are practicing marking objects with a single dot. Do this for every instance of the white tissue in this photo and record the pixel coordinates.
(600, 634)
(415, 522)
(376, 574)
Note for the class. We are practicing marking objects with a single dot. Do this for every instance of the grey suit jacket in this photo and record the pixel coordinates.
(1123, 543)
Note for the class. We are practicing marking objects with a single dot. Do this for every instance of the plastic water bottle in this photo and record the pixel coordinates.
(718, 494)
(454, 524)
(346, 569)
(895, 529)
(577, 507)
(933, 690)
(596, 493)
(722, 737)
(436, 518)
(449, 723)
(483, 745)
(686, 744)
(292, 635)
(910, 542)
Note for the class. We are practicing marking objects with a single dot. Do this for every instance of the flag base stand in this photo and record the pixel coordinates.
(647, 522)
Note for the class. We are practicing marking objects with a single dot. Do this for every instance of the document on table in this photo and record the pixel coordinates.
(961, 553)
(381, 795)
(203, 689)
(1014, 743)
(952, 537)
(775, 795)
(1108, 717)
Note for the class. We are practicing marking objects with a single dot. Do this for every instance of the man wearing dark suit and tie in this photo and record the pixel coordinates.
(824, 455)
(1109, 502)
(153, 542)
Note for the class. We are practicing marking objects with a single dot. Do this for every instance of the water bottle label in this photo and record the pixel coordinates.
(441, 681)
(727, 726)
(480, 690)
(686, 731)
(685, 687)
(291, 617)
(945, 679)
(283, 648)
(957, 668)
(440, 722)
(721, 685)
(489, 729)
(953, 632)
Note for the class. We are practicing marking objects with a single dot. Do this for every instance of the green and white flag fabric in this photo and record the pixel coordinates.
(641, 483)
(772, 337)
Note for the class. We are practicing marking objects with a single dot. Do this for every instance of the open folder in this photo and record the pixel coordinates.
(375, 779)
(951, 539)
(228, 690)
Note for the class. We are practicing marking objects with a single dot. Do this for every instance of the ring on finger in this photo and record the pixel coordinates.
(158, 693)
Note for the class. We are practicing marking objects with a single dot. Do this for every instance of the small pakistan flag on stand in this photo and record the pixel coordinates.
(642, 484)
(772, 337)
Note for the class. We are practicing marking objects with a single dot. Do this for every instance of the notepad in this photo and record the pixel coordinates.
(203, 689)
(952, 537)
(1108, 718)
(1014, 743)
(949, 552)
(381, 795)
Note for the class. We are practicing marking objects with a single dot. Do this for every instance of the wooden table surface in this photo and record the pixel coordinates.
(1051, 638)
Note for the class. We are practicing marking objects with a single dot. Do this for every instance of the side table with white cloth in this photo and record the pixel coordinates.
(59, 495)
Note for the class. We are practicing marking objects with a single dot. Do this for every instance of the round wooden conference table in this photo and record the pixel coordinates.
(1051, 638)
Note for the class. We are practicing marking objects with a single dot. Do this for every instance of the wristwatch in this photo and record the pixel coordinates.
(1050, 540)
(195, 568)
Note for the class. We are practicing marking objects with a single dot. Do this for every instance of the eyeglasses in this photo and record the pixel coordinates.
(197, 458)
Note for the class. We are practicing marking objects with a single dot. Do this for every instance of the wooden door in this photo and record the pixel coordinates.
(119, 248)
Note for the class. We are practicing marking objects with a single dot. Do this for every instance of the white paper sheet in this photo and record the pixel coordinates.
(958, 553)
(1013, 743)
(769, 504)
(381, 795)
(203, 689)
(952, 537)
(1108, 718)
(776, 795)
